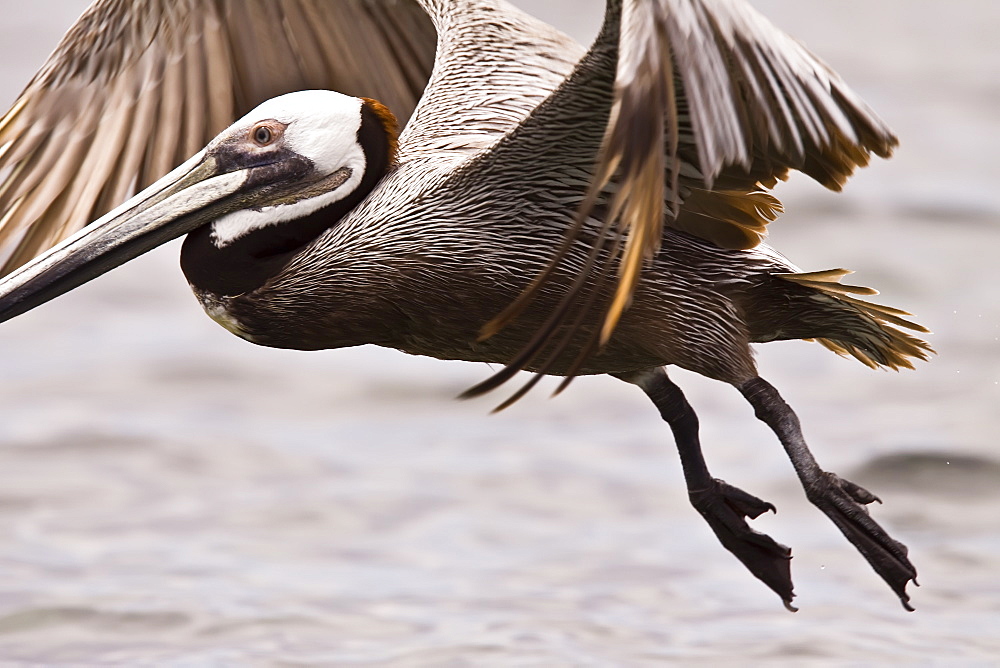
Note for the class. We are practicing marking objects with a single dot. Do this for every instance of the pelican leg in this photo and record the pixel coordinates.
(841, 500)
(723, 506)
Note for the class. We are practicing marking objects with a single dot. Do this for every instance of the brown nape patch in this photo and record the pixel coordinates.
(389, 122)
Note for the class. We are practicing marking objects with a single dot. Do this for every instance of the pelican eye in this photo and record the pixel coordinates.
(262, 135)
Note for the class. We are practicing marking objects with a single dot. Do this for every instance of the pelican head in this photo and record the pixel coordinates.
(261, 190)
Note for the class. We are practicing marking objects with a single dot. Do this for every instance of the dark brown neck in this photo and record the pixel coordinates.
(248, 262)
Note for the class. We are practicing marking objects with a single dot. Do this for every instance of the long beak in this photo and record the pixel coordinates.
(190, 196)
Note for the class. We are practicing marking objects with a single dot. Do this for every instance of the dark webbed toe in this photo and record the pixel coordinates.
(844, 503)
(726, 508)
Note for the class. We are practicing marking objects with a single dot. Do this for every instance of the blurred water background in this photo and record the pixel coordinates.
(172, 495)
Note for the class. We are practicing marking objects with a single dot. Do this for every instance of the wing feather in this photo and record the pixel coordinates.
(495, 64)
(741, 103)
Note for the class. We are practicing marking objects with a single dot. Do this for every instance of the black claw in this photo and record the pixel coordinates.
(841, 501)
(856, 492)
(742, 502)
(726, 508)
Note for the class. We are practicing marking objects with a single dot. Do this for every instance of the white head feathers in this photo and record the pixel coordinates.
(322, 126)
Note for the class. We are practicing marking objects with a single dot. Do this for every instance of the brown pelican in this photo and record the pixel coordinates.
(546, 208)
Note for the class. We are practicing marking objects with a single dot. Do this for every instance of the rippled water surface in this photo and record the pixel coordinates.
(172, 495)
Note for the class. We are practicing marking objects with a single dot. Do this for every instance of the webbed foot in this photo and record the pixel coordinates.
(844, 502)
(726, 508)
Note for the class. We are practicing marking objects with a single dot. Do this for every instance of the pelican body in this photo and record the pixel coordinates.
(624, 234)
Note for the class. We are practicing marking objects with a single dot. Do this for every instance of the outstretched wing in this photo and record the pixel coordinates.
(137, 86)
(710, 106)
(711, 91)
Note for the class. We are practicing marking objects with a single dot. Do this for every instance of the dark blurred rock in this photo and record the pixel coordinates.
(932, 471)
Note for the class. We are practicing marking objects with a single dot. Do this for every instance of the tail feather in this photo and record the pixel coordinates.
(871, 333)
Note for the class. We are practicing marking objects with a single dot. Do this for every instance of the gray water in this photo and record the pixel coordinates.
(172, 495)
